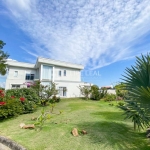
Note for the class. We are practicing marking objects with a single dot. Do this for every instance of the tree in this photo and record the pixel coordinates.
(3, 57)
(137, 83)
(95, 92)
(120, 91)
(45, 92)
(85, 91)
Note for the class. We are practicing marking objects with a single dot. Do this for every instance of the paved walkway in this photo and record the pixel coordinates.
(3, 147)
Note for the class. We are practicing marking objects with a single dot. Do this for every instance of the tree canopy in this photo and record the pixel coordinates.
(3, 57)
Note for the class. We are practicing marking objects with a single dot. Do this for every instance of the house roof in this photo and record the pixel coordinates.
(40, 61)
(20, 64)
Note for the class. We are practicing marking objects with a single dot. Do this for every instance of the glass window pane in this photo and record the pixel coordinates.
(15, 73)
(29, 76)
(64, 72)
(47, 72)
(60, 73)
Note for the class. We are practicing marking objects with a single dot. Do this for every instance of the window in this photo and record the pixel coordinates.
(62, 91)
(64, 72)
(15, 86)
(47, 72)
(59, 72)
(29, 76)
(15, 73)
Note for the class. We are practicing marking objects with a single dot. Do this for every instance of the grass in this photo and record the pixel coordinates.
(107, 130)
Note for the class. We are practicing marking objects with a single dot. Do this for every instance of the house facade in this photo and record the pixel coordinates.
(67, 76)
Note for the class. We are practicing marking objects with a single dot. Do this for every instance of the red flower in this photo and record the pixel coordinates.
(1, 91)
(12, 97)
(2, 103)
(22, 99)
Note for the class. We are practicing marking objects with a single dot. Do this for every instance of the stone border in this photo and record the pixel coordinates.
(11, 144)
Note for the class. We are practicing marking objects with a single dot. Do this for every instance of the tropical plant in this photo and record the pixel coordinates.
(3, 57)
(137, 83)
(139, 115)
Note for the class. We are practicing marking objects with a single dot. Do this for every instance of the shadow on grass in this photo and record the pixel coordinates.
(115, 135)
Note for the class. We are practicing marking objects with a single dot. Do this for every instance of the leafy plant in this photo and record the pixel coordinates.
(28, 106)
(95, 92)
(120, 90)
(52, 107)
(3, 58)
(85, 91)
(109, 97)
(45, 92)
(103, 93)
(42, 118)
(28, 93)
(121, 103)
(11, 108)
(137, 83)
(54, 99)
(140, 116)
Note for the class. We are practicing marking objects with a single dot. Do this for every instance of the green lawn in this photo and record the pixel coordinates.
(107, 130)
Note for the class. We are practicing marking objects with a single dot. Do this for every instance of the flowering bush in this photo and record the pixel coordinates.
(12, 97)
(1, 94)
(27, 93)
(12, 106)
(2, 103)
(28, 106)
(22, 99)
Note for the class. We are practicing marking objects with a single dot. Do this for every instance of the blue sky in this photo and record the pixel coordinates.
(103, 35)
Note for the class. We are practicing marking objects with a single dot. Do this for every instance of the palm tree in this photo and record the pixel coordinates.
(137, 83)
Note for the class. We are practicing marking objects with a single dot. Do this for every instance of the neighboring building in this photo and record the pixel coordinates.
(67, 76)
(110, 89)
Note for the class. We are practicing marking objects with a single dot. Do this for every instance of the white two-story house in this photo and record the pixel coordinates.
(67, 76)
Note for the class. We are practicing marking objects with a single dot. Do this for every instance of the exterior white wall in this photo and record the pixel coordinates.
(111, 91)
(72, 88)
(71, 74)
(20, 78)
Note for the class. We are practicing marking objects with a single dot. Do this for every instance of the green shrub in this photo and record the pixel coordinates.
(28, 106)
(12, 107)
(44, 92)
(28, 93)
(109, 97)
(54, 99)
(95, 93)
(103, 93)
(121, 103)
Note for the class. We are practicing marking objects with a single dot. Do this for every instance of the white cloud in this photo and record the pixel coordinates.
(95, 33)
